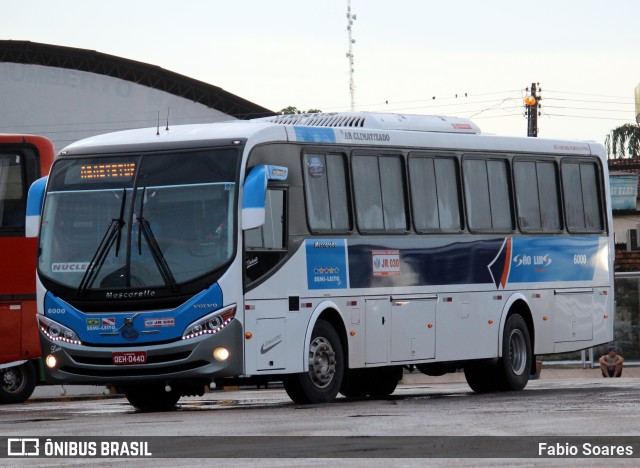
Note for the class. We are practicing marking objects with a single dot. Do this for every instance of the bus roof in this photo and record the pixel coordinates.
(359, 128)
(379, 121)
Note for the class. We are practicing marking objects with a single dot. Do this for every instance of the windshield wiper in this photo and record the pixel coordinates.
(113, 234)
(156, 252)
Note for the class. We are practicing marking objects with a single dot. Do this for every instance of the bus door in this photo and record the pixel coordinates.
(264, 247)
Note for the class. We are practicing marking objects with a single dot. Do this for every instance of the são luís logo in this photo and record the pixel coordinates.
(537, 260)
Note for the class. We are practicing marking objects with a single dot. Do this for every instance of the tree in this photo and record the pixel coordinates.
(294, 110)
(624, 142)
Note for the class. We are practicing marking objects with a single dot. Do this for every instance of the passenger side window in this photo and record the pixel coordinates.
(327, 200)
(537, 199)
(378, 184)
(266, 245)
(581, 190)
(487, 195)
(12, 192)
(434, 193)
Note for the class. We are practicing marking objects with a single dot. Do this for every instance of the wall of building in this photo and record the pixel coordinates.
(67, 105)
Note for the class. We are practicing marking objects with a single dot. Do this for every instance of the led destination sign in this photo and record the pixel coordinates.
(107, 171)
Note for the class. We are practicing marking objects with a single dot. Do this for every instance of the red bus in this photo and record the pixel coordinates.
(23, 160)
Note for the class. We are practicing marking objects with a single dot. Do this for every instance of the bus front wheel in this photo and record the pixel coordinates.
(151, 397)
(355, 383)
(384, 381)
(321, 383)
(379, 382)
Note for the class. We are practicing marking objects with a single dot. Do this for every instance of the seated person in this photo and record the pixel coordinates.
(611, 363)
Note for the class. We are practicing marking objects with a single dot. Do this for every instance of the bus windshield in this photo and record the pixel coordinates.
(156, 220)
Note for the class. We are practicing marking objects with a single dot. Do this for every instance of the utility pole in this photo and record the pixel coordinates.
(352, 85)
(532, 105)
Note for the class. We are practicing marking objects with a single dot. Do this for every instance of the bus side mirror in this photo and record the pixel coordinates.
(255, 193)
(35, 199)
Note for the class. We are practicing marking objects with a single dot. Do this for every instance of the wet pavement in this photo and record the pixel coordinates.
(549, 372)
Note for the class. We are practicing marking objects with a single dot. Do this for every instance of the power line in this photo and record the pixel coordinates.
(483, 117)
(458, 96)
(585, 94)
(590, 101)
(462, 104)
(586, 108)
(586, 117)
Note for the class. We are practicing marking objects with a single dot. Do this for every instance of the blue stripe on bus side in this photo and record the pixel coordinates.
(452, 263)
(497, 261)
(547, 259)
(315, 134)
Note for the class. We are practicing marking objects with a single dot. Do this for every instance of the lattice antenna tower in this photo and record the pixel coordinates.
(352, 84)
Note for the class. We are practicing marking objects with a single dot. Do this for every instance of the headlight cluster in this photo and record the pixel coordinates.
(211, 323)
(57, 332)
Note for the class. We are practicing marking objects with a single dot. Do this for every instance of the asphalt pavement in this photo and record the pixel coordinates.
(550, 371)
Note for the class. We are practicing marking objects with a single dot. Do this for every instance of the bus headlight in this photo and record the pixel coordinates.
(56, 331)
(51, 361)
(221, 354)
(210, 324)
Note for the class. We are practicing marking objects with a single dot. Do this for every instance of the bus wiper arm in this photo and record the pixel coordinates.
(113, 234)
(120, 221)
(156, 253)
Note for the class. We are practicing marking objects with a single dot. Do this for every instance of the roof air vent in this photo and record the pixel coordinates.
(379, 121)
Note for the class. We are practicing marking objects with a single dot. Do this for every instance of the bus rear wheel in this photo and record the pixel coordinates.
(515, 363)
(511, 371)
(321, 383)
(150, 398)
(17, 383)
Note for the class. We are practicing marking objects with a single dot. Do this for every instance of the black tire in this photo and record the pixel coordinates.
(515, 364)
(326, 368)
(17, 383)
(150, 398)
(511, 371)
(482, 376)
(379, 382)
(383, 381)
(354, 384)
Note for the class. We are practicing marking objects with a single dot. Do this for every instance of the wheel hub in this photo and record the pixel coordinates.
(322, 362)
(10, 380)
(517, 352)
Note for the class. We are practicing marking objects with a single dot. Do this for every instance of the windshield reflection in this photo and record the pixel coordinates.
(115, 237)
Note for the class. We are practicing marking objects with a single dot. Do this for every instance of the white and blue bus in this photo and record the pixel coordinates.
(327, 251)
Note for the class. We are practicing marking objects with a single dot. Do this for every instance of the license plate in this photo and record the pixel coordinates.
(129, 357)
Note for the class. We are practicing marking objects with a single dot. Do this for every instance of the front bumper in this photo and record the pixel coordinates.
(168, 362)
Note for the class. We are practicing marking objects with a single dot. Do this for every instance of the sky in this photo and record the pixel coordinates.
(466, 58)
